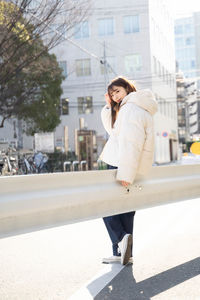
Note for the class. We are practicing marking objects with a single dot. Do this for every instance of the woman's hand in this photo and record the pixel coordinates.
(108, 100)
(125, 183)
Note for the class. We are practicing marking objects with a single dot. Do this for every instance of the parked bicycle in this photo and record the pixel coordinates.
(33, 164)
(8, 162)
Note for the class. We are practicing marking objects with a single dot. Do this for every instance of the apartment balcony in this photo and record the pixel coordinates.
(194, 128)
(193, 119)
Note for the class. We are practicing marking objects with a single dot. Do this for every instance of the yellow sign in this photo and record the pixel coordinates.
(195, 148)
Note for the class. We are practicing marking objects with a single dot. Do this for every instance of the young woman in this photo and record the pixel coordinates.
(128, 119)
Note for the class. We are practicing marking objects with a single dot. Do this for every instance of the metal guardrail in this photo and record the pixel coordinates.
(34, 202)
(67, 166)
(75, 166)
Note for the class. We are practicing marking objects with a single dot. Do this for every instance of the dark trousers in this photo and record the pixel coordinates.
(119, 225)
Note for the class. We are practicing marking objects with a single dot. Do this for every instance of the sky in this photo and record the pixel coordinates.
(183, 8)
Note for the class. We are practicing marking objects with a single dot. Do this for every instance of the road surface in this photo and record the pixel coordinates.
(53, 264)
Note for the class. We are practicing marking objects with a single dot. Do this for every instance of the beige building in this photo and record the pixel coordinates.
(133, 38)
(136, 38)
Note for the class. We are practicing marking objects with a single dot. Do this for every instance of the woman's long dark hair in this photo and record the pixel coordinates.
(127, 85)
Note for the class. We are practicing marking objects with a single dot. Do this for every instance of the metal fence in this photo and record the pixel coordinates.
(39, 201)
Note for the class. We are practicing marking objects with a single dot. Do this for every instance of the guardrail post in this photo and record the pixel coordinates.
(75, 165)
(67, 166)
(84, 166)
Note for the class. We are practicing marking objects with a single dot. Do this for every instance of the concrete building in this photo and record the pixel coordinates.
(187, 46)
(133, 38)
(136, 39)
(188, 110)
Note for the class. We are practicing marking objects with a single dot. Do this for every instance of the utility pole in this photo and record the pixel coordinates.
(105, 66)
(105, 63)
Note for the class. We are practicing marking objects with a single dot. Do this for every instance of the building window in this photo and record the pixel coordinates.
(63, 66)
(83, 67)
(85, 105)
(193, 65)
(188, 52)
(162, 105)
(105, 27)
(165, 108)
(167, 76)
(133, 63)
(58, 29)
(188, 28)
(107, 68)
(64, 106)
(131, 24)
(178, 29)
(159, 68)
(154, 65)
(179, 53)
(170, 79)
(189, 40)
(179, 41)
(81, 30)
(163, 73)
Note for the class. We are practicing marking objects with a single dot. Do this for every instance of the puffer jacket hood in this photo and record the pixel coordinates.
(144, 99)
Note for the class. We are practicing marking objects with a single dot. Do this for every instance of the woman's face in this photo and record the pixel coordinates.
(118, 93)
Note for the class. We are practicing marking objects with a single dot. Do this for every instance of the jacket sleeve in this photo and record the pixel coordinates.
(131, 141)
(106, 118)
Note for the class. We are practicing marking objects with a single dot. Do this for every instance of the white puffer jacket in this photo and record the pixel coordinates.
(130, 146)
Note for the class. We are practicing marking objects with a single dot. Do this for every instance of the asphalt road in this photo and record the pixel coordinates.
(53, 264)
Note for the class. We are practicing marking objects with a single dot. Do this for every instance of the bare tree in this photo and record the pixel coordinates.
(23, 25)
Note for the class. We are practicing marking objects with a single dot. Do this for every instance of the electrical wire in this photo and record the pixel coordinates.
(62, 35)
(98, 58)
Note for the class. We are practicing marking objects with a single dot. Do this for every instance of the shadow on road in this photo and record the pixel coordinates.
(124, 286)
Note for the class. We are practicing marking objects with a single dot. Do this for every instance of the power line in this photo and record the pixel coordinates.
(104, 62)
(62, 35)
